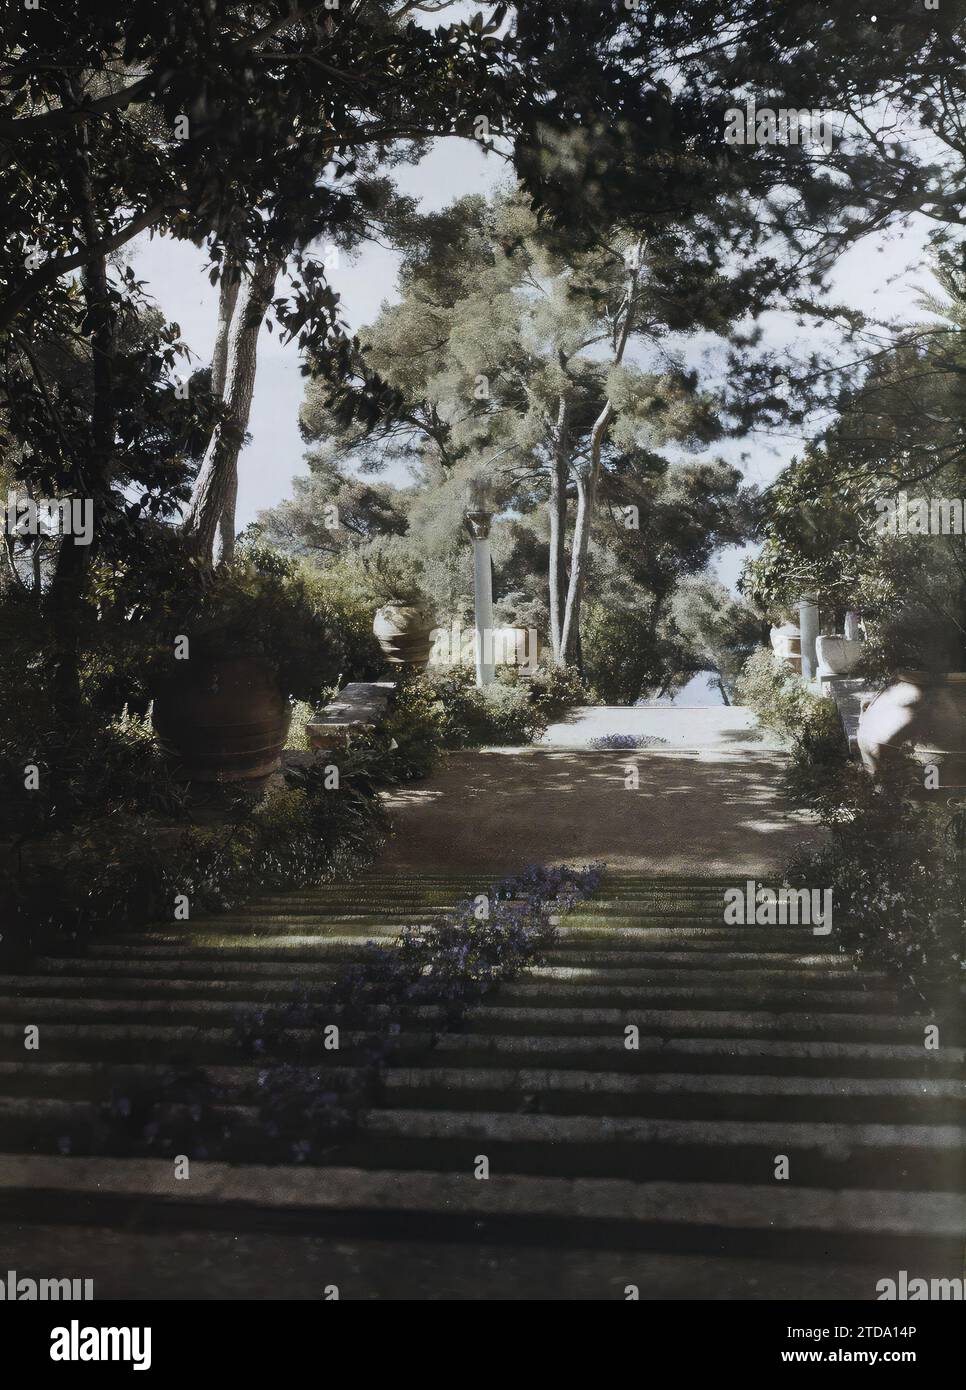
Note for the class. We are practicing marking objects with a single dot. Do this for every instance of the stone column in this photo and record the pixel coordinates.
(808, 626)
(852, 630)
(478, 523)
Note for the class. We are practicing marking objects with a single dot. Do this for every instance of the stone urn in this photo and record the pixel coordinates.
(404, 632)
(837, 656)
(786, 643)
(922, 714)
(223, 719)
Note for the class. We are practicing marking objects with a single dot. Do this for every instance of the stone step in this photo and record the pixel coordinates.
(594, 967)
(686, 925)
(673, 883)
(720, 940)
(168, 1045)
(819, 1154)
(309, 923)
(749, 976)
(655, 958)
(667, 1094)
(492, 1017)
(229, 929)
(177, 970)
(754, 1041)
(622, 931)
(720, 995)
(553, 1091)
(289, 942)
(161, 1045)
(622, 904)
(581, 990)
(768, 1217)
(284, 1265)
(324, 956)
(693, 1054)
(288, 951)
(241, 919)
(871, 1155)
(496, 1017)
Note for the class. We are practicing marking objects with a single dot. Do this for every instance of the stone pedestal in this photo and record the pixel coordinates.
(358, 707)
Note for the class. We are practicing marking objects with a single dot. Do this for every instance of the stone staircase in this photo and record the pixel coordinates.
(609, 1166)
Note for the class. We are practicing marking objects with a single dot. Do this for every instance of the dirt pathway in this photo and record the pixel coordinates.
(661, 812)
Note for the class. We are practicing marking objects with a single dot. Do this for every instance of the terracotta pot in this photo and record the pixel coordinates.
(403, 631)
(921, 714)
(837, 656)
(223, 719)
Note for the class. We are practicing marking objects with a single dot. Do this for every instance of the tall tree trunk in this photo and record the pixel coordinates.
(558, 530)
(225, 536)
(227, 300)
(588, 480)
(10, 579)
(74, 561)
(578, 561)
(211, 509)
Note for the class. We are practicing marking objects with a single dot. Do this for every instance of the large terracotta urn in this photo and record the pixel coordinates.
(223, 719)
(404, 632)
(922, 714)
(837, 656)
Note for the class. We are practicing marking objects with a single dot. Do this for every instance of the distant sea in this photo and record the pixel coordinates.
(696, 692)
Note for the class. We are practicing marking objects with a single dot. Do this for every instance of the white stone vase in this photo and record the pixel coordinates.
(837, 656)
(922, 714)
(786, 643)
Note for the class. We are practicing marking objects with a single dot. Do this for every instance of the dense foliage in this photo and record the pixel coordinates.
(896, 864)
(124, 865)
(446, 710)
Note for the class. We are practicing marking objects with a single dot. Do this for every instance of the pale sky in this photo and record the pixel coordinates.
(882, 276)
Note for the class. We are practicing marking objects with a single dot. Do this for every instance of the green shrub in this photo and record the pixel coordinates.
(276, 611)
(552, 691)
(97, 762)
(809, 724)
(85, 770)
(125, 869)
(446, 710)
(897, 878)
(302, 714)
(412, 737)
(898, 890)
